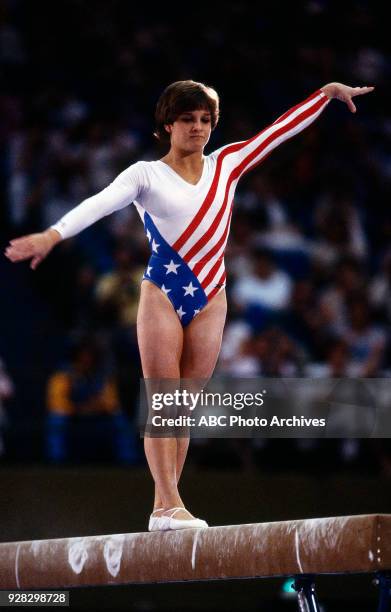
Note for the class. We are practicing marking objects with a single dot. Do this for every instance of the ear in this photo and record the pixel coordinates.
(168, 128)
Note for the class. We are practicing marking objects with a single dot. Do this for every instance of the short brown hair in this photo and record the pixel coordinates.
(181, 97)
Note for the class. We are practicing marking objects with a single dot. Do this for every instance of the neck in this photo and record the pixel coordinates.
(184, 160)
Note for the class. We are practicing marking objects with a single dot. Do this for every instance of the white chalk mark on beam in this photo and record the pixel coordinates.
(35, 547)
(112, 553)
(193, 551)
(77, 554)
(298, 551)
(17, 567)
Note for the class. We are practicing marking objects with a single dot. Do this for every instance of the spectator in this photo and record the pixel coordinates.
(366, 340)
(237, 334)
(278, 354)
(304, 321)
(341, 232)
(336, 365)
(348, 278)
(380, 290)
(263, 294)
(117, 291)
(84, 417)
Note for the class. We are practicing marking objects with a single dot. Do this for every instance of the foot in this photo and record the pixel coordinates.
(182, 514)
(169, 520)
(157, 511)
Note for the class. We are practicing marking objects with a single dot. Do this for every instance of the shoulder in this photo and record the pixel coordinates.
(141, 170)
(215, 154)
(134, 170)
(136, 176)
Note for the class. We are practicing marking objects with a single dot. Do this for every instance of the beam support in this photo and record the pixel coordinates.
(306, 595)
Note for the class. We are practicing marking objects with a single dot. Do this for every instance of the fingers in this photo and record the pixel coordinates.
(21, 240)
(351, 105)
(35, 262)
(355, 91)
(19, 249)
(16, 253)
(33, 246)
(360, 91)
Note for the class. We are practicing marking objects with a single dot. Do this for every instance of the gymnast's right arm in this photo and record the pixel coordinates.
(121, 192)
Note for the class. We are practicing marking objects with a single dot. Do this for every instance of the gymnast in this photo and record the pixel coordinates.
(185, 202)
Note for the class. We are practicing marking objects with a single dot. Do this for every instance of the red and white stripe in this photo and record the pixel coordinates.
(203, 248)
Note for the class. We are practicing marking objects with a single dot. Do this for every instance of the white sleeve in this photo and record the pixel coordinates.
(121, 192)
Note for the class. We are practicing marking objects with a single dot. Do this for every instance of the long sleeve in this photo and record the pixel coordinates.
(249, 153)
(121, 192)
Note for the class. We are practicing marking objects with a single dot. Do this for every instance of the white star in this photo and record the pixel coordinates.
(172, 267)
(166, 291)
(148, 235)
(180, 312)
(148, 272)
(196, 311)
(189, 290)
(154, 246)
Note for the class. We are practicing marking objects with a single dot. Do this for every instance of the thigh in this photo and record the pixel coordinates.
(159, 333)
(202, 339)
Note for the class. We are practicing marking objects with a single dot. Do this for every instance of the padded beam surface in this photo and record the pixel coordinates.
(345, 544)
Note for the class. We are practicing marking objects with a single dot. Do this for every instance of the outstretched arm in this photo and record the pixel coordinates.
(247, 154)
(121, 192)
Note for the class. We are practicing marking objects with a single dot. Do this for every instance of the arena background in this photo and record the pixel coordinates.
(79, 84)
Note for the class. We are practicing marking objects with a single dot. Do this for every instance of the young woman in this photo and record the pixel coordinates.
(185, 202)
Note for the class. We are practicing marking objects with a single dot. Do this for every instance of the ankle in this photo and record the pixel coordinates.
(178, 512)
(167, 508)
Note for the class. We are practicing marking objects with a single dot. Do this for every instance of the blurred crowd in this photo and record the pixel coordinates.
(309, 256)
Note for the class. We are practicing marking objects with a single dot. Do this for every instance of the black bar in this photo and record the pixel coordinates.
(306, 595)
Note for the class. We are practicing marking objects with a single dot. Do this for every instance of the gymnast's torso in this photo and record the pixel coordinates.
(187, 225)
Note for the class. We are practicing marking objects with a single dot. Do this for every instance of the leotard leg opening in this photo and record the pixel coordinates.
(185, 294)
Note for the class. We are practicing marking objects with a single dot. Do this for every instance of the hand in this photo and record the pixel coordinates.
(33, 246)
(345, 93)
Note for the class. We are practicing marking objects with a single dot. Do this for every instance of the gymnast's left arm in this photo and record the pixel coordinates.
(121, 192)
(249, 153)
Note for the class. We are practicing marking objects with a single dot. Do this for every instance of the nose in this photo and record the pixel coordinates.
(197, 125)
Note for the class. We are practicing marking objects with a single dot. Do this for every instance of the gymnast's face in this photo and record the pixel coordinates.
(190, 132)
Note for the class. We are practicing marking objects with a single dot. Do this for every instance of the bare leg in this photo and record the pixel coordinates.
(201, 348)
(202, 340)
(194, 358)
(165, 333)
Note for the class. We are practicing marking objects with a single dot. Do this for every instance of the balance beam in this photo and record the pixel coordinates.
(339, 545)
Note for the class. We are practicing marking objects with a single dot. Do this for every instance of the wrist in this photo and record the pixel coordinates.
(329, 90)
(53, 235)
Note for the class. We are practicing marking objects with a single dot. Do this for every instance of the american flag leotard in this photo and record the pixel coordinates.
(187, 225)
